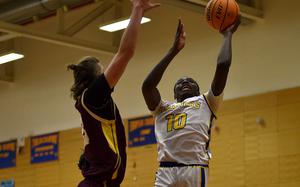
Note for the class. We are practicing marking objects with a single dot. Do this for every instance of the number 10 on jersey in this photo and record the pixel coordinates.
(176, 121)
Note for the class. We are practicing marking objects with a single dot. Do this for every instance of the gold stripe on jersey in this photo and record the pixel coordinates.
(92, 113)
(200, 177)
(109, 131)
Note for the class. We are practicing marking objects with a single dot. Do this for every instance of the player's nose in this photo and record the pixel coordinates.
(185, 81)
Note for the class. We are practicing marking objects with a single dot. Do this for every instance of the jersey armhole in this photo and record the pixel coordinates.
(212, 112)
(157, 109)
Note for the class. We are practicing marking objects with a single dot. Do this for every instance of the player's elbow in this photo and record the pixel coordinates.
(145, 86)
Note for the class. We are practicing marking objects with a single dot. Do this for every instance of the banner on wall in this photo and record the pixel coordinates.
(141, 131)
(8, 183)
(8, 152)
(44, 148)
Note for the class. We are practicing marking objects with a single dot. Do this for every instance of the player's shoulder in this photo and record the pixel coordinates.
(212, 100)
(162, 106)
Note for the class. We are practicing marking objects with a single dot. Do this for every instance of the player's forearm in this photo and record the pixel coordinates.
(126, 50)
(150, 92)
(157, 72)
(224, 58)
(129, 38)
(223, 65)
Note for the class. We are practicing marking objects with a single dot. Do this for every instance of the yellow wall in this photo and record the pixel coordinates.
(244, 152)
(249, 154)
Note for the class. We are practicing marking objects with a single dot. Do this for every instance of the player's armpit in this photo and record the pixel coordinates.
(162, 105)
(214, 101)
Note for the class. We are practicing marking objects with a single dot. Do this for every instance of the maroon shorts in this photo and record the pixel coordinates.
(91, 183)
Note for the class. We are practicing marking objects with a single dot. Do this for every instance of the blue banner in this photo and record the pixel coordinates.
(8, 183)
(44, 148)
(141, 131)
(8, 154)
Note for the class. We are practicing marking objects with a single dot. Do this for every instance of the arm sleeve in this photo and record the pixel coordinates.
(98, 93)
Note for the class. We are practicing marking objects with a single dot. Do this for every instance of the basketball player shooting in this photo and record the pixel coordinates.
(183, 128)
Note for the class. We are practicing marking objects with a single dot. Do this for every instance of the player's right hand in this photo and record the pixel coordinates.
(231, 29)
(145, 4)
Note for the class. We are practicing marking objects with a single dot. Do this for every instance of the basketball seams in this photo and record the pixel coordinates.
(212, 15)
(224, 17)
(220, 14)
(208, 12)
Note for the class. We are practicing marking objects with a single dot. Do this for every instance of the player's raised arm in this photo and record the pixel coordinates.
(128, 42)
(224, 60)
(149, 88)
(223, 65)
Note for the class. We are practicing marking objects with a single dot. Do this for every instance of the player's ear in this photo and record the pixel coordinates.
(198, 89)
(175, 94)
(174, 91)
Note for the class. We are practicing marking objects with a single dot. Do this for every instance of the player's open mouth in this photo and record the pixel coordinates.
(186, 88)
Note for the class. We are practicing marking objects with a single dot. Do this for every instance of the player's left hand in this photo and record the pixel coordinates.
(179, 42)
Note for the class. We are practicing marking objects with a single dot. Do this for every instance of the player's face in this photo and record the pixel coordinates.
(184, 88)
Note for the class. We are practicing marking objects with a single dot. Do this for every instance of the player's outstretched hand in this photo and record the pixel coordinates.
(145, 4)
(179, 42)
(231, 29)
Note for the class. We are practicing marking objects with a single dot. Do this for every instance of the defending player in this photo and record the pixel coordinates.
(103, 162)
(183, 128)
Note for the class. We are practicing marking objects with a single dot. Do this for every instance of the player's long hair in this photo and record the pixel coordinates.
(84, 73)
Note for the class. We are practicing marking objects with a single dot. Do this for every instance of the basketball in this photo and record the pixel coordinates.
(220, 14)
